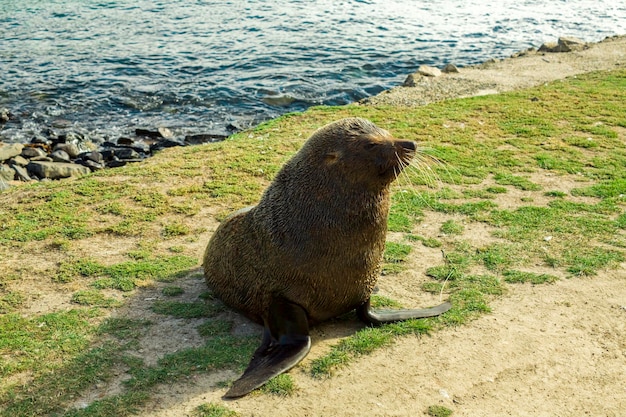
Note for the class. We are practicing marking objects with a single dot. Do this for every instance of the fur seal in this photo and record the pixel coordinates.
(312, 248)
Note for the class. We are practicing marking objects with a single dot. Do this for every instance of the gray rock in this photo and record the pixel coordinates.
(204, 138)
(525, 52)
(411, 80)
(6, 173)
(60, 156)
(93, 166)
(56, 170)
(31, 152)
(8, 151)
(548, 47)
(124, 141)
(488, 63)
(21, 174)
(18, 160)
(568, 44)
(92, 156)
(450, 68)
(565, 44)
(161, 132)
(5, 115)
(126, 153)
(429, 71)
(70, 148)
(165, 143)
(116, 163)
(41, 140)
(61, 123)
(42, 158)
(4, 185)
(72, 137)
(165, 133)
(139, 146)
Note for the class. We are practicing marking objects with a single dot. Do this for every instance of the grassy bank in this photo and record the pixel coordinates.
(92, 266)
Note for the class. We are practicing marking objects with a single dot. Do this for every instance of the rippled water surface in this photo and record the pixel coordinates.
(106, 67)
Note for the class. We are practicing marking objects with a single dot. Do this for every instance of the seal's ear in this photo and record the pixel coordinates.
(332, 157)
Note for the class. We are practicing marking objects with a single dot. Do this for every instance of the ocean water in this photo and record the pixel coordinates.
(106, 67)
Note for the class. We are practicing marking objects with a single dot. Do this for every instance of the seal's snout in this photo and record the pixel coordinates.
(405, 150)
(408, 145)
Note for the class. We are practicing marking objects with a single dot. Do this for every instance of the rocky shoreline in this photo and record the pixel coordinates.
(62, 153)
(524, 69)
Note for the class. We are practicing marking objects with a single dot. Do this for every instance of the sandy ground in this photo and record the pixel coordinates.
(556, 350)
(549, 350)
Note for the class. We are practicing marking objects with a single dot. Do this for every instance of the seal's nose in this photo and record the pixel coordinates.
(408, 145)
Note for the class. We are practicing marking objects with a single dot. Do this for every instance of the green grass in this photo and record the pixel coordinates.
(450, 227)
(213, 410)
(10, 300)
(429, 242)
(115, 232)
(364, 342)
(94, 298)
(175, 229)
(496, 190)
(185, 310)
(281, 385)
(555, 193)
(516, 181)
(394, 257)
(380, 301)
(125, 276)
(43, 341)
(172, 291)
(513, 276)
(214, 328)
(438, 411)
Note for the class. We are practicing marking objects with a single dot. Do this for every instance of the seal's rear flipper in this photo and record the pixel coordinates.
(377, 318)
(286, 342)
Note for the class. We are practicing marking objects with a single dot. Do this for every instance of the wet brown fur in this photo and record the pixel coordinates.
(317, 236)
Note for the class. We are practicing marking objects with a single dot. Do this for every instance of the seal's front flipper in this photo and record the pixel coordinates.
(286, 342)
(377, 318)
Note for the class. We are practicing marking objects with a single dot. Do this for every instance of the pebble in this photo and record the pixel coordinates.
(56, 170)
(6, 173)
(450, 68)
(60, 156)
(69, 148)
(429, 71)
(21, 174)
(31, 152)
(8, 151)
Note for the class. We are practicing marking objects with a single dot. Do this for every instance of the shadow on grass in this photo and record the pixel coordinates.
(116, 355)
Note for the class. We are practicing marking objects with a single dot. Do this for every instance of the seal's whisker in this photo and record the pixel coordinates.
(401, 192)
(404, 165)
(421, 164)
(424, 170)
(428, 158)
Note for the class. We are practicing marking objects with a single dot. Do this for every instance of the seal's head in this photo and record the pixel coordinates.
(357, 152)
